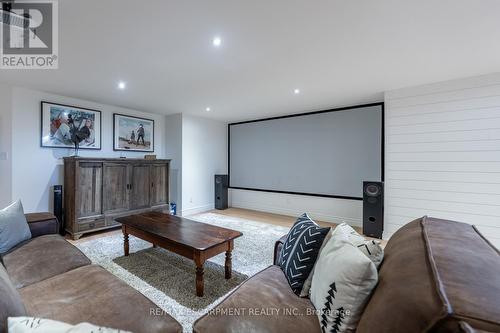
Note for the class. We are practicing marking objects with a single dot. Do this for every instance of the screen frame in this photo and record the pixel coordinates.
(346, 108)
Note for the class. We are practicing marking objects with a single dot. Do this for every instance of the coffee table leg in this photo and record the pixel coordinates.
(125, 241)
(199, 279)
(228, 265)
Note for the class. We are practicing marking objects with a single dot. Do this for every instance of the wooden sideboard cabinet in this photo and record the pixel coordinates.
(96, 191)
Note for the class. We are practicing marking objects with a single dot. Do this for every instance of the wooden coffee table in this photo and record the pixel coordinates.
(193, 240)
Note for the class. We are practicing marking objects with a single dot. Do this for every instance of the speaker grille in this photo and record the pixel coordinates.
(373, 209)
(372, 190)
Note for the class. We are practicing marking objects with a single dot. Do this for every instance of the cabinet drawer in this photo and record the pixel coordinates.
(111, 222)
(91, 225)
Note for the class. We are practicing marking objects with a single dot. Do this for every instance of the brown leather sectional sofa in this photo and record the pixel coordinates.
(437, 276)
(48, 277)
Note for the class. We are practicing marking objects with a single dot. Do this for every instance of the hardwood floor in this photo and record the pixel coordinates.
(263, 217)
(276, 219)
(270, 218)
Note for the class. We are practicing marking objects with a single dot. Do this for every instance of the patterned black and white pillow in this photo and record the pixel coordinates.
(300, 250)
(41, 325)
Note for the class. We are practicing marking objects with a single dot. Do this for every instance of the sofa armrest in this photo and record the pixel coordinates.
(42, 224)
(277, 248)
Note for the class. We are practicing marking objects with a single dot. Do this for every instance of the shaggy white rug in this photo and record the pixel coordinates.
(168, 279)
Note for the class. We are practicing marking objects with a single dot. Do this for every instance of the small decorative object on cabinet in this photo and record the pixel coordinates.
(97, 190)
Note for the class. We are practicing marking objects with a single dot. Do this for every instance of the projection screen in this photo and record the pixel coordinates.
(326, 153)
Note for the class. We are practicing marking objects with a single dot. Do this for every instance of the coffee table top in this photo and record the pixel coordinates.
(197, 235)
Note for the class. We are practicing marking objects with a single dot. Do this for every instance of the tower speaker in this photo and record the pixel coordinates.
(221, 185)
(373, 209)
(58, 208)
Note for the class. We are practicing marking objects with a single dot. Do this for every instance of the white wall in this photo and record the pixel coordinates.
(324, 209)
(204, 154)
(173, 128)
(5, 145)
(443, 154)
(34, 169)
(197, 147)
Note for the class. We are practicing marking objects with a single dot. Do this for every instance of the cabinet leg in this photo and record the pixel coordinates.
(76, 236)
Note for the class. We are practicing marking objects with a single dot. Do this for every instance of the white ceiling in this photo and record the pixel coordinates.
(337, 52)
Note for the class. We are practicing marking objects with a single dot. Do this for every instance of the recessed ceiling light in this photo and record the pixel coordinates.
(296, 91)
(208, 109)
(121, 85)
(217, 41)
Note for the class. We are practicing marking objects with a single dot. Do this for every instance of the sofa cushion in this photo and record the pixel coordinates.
(435, 273)
(92, 294)
(300, 250)
(41, 258)
(10, 301)
(13, 226)
(264, 303)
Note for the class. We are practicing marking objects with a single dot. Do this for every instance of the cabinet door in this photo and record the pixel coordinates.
(89, 189)
(141, 183)
(115, 196)
(159, 184)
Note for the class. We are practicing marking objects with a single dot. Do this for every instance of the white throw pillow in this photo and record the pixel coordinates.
(307, 283)
(13, 226)
(40, 325)
(343, 280)
(370, 248)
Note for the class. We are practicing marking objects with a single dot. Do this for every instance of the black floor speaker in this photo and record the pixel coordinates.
(373, 209)
(58, 207)
(221, 192)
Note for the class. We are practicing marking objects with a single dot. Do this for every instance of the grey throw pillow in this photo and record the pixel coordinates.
(13, 226)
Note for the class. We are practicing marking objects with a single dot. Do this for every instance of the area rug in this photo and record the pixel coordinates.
(168, 279)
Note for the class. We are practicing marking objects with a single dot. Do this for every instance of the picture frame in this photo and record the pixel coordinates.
(132, 133)
(61, 125)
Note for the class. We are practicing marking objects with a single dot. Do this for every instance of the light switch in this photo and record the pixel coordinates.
(4, 156)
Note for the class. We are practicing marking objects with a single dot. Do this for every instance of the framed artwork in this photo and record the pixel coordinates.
(66, 126)
(133, 133)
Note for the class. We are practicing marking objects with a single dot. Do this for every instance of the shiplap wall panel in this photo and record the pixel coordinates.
(456, 105)
(456, 136)
(445, 166)
(442, 157)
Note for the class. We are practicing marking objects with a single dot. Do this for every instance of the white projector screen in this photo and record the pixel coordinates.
(326, 153)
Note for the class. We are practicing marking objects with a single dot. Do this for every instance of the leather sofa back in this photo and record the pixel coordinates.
(10, 301)
(435, 274)
(42, 224)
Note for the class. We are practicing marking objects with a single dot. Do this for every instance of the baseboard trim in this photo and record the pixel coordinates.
(296, 213)
(197, 209)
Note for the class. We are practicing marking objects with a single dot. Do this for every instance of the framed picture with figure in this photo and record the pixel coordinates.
(63, 126)
(133, 133)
